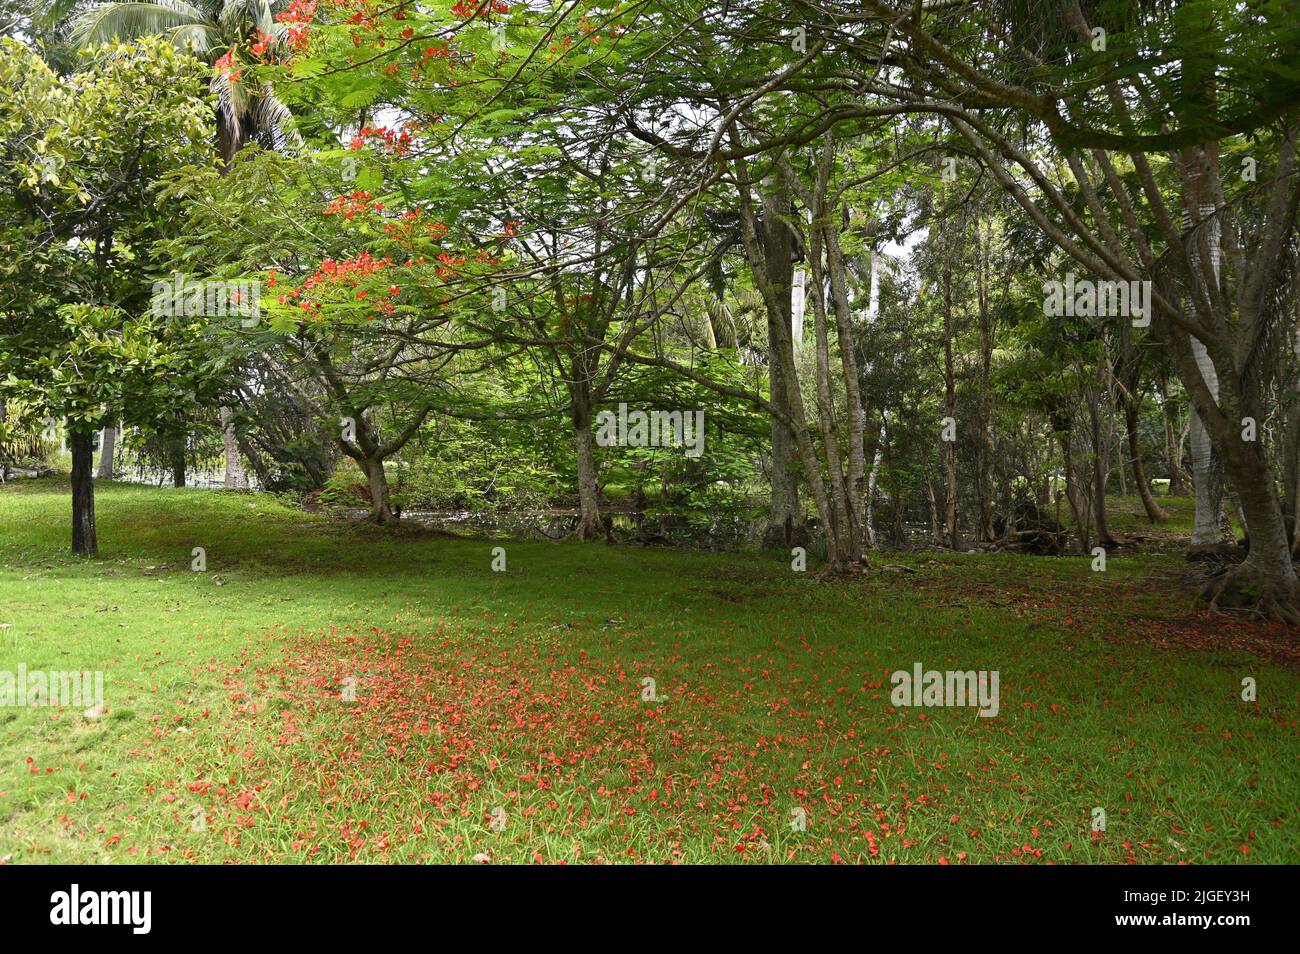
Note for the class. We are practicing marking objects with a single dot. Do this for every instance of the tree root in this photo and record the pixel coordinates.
(1243, 587)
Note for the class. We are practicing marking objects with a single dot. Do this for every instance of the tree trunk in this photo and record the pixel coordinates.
(1267, 577)
(984, 448)
(1078, 501)
(1099, 469)
(1207, 470)
(1173, 445)
(855, 416)
(178, 461)
(841, 534)
(107, 446)
(1291, 461)
(936, 528)
(950, 406)
(380, 511)
(785, 526)
(1154, 512)
(584, 446)
(84, 540)
(873, 479)
(236, 479)
(1207, 466)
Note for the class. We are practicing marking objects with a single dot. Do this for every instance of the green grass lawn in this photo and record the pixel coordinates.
(226, 735)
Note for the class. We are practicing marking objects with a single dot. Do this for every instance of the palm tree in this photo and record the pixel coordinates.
(213, 30)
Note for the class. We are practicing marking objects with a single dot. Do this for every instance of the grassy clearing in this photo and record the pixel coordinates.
(226, 737)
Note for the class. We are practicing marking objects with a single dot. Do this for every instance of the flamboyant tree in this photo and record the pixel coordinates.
(85, 160)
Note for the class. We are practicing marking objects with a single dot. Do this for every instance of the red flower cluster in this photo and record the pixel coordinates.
(466, 8)
(409, 226)
(261, 44)
(348, 272)
(350, 205)
(396, 141)
(225, 66)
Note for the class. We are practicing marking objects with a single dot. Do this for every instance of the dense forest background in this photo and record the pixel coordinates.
(935, 274)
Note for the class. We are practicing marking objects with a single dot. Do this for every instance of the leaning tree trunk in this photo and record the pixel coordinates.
(84, 540)
(107, 446)
(1154, 512)
(236, 479)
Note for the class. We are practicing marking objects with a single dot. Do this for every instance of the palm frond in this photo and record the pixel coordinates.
(104, 23)
(201, 38)
(271, 115)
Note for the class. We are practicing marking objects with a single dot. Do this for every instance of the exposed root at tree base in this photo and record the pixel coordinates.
(1243, 587)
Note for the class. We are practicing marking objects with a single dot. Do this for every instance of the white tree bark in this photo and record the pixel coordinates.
(797, 306)
(107, 447)
(1207, 474)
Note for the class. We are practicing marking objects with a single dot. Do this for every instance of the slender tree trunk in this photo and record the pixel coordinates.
(236, 479)
(1099, 469)
(585, 448)
(1207, 471)
(1291, 461)
(1207, 466)
(855, 417)
(1173, 445)
(1121, 472)
(84, 539)
(873, 480)
(107, 446)
(1154, 512)
(950, 406)
(841, 535)
(936, 530)
(984, 448)
(785, 518)
(1078, 501)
